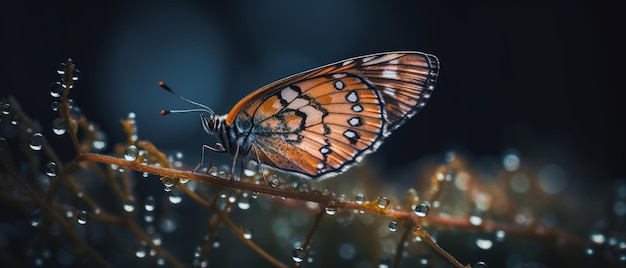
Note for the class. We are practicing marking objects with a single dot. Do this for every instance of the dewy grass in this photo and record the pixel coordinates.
(103, 209)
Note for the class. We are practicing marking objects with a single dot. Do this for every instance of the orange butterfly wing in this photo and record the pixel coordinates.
(320, 122)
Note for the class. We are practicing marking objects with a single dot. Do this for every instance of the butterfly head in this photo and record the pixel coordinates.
(211, 124)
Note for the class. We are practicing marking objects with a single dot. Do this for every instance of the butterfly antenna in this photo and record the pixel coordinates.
(204, 107)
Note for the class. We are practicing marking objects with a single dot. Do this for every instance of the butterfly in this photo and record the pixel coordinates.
(319, 123)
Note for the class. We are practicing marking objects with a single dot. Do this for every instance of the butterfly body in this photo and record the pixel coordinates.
(318, 123)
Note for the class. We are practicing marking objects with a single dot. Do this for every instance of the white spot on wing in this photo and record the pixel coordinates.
(357, 108)
(390, 74)
(347, 62)
(349, 134)
(366, 59)
(352, 97)
(380, 59)
(354, 121)
(339, 85)
(337, 76)
(313, 116)
(390, 91)
(288, 94)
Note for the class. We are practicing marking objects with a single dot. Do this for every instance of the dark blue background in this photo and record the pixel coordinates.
(544, 78)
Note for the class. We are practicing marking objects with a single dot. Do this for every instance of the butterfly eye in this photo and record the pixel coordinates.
(208, 124)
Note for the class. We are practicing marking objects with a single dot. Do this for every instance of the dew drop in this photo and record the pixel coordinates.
(422, 209)
(213, 171)
(251, 169)
(141, 251)
(61, 68)
(500, 235)
(157, 239)
(384, 263)
(175, 198)
(232, 198)
(149, 204)
(331, 208)
(484, 243)
(145, 174)
(129, 206)
(244, 201)
(382, 202)
(35, 218)
(75, 74)
(519, 183)
(480, 264)
(130, 118)
(347, 251)
(359, 199)
(51, 169)
(148, 216)
(168, 224)
(223, 193)
(75, 112)
(15, 120)
(36, 141)
(131, 153)
(81, 218)
(393, 226)
(183, 180)
(511, 161)
(176, 159)
(100, 142)
(475, 220)
(169, 181)
(298, 254)
(55, 106)
(247, 233)
(424, 261)
(597, 238)
(56, 89)
(217, 242)
(197, 252)
(552, 179)
(6, 108)
(58, 127)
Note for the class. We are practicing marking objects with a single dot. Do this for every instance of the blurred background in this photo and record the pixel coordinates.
(543, 79)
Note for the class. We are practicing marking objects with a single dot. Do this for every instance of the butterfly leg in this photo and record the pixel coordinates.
(258, 160)
(217, 149)
(232, 168)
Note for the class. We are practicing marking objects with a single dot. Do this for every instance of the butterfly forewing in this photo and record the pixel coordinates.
(320, 122)
(315, 130)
